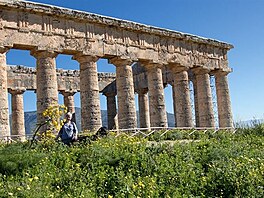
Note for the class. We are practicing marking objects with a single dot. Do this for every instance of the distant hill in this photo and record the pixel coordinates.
(31, 119)
(248, 123)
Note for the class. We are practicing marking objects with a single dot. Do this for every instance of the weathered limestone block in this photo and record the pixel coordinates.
(157, 109)
(125, 93)
(181, 98)
(89, 91)
(47, 87)
(139, 77)
(68, 80)
(223, 99)
(204, 97)
(4, 118)
(111, 110)
(105, 79)
(180, 58)
(143, 104)
(21, 76)
(18, 125)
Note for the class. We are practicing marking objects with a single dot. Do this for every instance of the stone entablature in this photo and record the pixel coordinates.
(45, 27)
(68, 80)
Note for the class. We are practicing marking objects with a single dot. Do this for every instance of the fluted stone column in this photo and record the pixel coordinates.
(47, 87)
(182, 99)
(174, 104)
(196, 106)
(111, 110)
(223, 99)
(125, 93)
(18, 123)
(157, 109)
(68, 97)
(89, 91)
(204, 97)
(143, 103)
(4, 114)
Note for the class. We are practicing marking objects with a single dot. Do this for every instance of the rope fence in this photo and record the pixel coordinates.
(132, 132)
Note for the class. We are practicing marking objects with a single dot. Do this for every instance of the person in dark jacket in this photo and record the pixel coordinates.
(68, 132)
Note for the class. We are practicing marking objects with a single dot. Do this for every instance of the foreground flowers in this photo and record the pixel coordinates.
(214, 165)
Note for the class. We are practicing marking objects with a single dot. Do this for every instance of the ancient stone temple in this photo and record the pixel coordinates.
(160, 56)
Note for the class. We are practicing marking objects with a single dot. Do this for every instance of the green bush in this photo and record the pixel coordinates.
(15, 158)
(209, 164)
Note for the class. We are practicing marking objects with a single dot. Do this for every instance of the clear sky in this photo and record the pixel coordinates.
(239, 22)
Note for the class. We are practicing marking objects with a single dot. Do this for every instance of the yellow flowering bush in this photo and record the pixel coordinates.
(55, 119)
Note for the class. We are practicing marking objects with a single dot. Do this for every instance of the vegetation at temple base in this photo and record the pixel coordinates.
(209, 164)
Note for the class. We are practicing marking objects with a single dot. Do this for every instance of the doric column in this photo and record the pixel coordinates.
(125, 93)
(143, 104)
(111, 110)
(157, 109)
(174, 104)
(204, 97)
(195, 102)
(68, 97)
(89, 91)
(18, 125)
(47, 87)
(4, 114)
(182, 99)
(223, 99)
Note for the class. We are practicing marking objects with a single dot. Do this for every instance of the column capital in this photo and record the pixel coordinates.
(118, 61)
(176, 68)
(220, 72)
(68, 92)
(109, 94)
(148, 65)
(142, 91)
(200, 70)
(3, 49)
(43, 53)
(82, 58)
(16, 91)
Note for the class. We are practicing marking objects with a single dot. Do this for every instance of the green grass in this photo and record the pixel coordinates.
(218, 164)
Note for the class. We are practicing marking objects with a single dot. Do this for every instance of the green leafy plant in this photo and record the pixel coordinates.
(211, 164)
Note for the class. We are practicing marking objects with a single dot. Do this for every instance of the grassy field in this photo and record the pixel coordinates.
(178, 164)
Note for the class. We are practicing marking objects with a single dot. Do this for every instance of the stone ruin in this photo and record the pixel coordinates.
(160, 57)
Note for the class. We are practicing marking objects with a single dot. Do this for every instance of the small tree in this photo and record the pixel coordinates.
(54, 116)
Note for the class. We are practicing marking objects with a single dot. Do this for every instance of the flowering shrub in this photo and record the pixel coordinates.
(214, 165)
(54, 116)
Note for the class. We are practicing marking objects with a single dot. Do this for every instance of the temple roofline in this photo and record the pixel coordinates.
(110, 21)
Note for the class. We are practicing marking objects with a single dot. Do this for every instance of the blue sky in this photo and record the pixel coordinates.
(239, 22)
